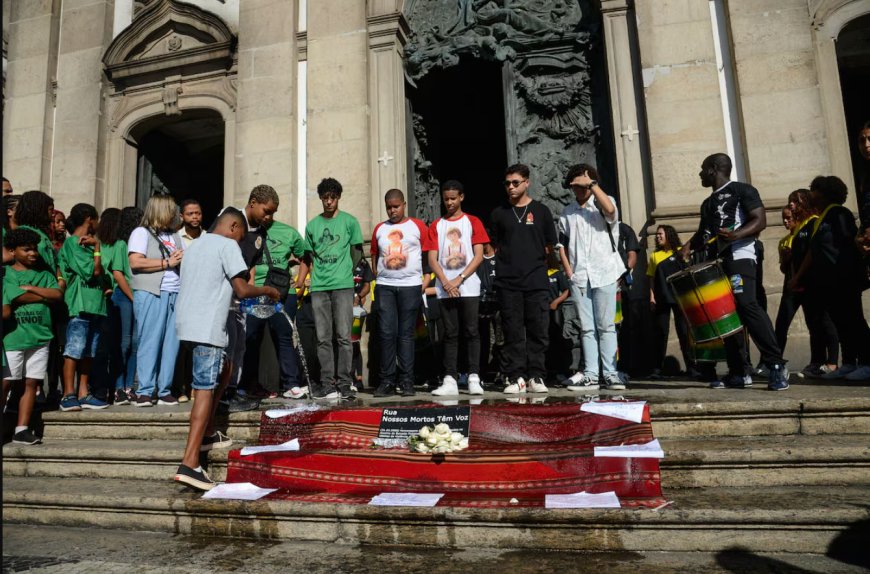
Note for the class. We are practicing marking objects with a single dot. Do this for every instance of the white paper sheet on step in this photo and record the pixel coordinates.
(651, 449)
(627, 411)
(278, 413)
(238, 491)
(406, 499)
(582, 500)
(290, 445)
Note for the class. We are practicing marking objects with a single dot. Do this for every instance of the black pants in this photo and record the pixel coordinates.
(662, 320)
(281, 333)
(525, 321)
(742, 274)
(456, 310)
(843, 304)
(824, 343)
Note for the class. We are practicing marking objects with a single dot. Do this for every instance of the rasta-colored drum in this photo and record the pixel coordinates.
(359, 319)
(709, 352)
(704, 296)
(617, 320)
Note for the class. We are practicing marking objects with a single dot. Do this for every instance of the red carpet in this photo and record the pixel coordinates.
(516, 452)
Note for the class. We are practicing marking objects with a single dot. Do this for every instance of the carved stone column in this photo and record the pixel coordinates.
(338, 105)
(387, 32)
(29, 107)
(265, 122)
(623, 105)
(78, 157)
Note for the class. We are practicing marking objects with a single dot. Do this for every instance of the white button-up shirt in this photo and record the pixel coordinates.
(590, 251)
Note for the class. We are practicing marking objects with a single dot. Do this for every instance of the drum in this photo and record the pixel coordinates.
(709, 352)
(703, 293)
(617, 320)
(359, 319)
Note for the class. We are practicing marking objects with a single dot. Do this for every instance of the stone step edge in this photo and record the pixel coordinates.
(690, 524)
(802, 449)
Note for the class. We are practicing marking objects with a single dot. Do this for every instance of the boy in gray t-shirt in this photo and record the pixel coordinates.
(213, 271)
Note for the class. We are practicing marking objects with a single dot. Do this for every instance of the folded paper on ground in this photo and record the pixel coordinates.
(627, 411)
(238, 491)
(582, 500)
(651, 449)
(290, 445)
(278, 413)
(405, 499)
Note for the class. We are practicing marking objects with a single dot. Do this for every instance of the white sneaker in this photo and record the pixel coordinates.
(579, 382)
(448, 387)
(517, 387)
(841, 372)
(862, 373)
(474, 387)
(536, 385)
(295, 393)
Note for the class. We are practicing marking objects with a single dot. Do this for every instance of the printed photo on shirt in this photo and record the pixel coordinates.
(395, 257)
(453, 256)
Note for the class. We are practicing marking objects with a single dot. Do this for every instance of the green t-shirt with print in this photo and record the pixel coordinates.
(107, 253)
(329, 241)
(45, 248)
(283, 241)
(84, 292)
(31, 326)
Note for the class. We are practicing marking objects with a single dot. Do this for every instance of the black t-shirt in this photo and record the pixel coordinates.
(727, 208)
(864, 197)
(362, 274)
(557, 283)
(666, 268)
(521, 235)
(836, 260)
(486, 273)
(627, 242)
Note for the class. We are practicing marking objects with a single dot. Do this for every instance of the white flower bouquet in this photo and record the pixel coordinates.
(437, 440)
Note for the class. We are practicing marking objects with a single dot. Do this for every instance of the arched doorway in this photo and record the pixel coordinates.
(853, 61)
(182, 156)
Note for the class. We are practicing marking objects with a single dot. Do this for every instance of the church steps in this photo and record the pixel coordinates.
(688, 463)
(788, 519)
(672, 419)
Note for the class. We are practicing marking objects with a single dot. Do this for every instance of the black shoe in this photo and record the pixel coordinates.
(346, 393)
(190, 477)
(322, 391)
(385, 390)
(26, 437)
(217, 440)
(239, 404)
(408, 391)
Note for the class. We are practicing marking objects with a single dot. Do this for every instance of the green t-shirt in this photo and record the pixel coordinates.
(283, 241)
(329, 241)
(84, 293)
(31, 326)
(45, 248)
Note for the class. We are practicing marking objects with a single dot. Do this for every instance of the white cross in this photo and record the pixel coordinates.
(630, 133)
(384, 160)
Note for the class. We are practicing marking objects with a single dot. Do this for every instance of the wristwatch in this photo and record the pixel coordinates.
(593, 183)
(462, 277)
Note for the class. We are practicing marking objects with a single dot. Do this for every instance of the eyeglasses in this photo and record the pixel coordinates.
(514, 182)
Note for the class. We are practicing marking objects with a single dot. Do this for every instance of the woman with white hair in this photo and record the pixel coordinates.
(155, 250)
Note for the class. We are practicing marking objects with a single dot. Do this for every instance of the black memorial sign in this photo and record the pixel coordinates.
(405, 423)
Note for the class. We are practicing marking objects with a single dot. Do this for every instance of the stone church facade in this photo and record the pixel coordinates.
(108, 101)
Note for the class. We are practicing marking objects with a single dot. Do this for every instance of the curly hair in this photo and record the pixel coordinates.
(329, 185)
(110, 222)
(130, 218)
(264, 194)
(671, 236)
(9, 204)
(20, 237)
(35, 210)
(832, 189)
(802, 204)
(578, 170)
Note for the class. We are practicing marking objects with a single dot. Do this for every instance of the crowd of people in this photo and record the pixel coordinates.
(142, 306)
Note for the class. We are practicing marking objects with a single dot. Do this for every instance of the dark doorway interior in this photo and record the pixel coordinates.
(463, 114)
(183, 156)
(853, 58)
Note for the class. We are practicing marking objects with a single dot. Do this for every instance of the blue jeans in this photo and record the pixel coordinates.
(125, 322)
(82, 336)
(158, 343)
(207, 363)
(597, 309)
(397, 316)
